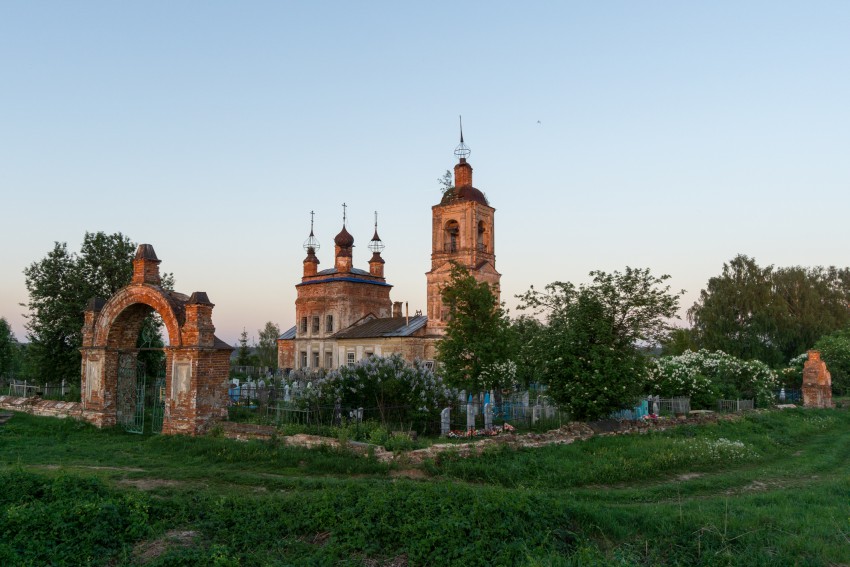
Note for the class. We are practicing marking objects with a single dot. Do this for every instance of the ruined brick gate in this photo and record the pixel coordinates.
(192, 394)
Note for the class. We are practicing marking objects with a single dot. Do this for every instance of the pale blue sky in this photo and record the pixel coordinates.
(671, 135)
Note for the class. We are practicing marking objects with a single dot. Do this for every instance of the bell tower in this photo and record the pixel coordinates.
(462, 231)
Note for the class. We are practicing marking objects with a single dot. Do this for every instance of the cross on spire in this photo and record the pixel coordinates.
(343, 213)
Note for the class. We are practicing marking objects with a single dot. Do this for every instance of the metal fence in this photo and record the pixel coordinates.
(735, 405)
(540, 414)
(29, 388)
(679, 405)
(258, 372)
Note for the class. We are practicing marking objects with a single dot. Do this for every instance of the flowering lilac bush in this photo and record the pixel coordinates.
(707, 376)
(400, 392)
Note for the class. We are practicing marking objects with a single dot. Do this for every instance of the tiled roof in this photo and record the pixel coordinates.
(385, 327)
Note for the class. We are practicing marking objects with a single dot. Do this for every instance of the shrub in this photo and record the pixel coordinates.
(706, 376)
(401, 392)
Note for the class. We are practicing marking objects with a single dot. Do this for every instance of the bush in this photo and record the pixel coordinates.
(402, 393)
(706, 376)
(67, 520)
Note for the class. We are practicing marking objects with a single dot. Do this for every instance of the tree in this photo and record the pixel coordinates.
(638, 304)
(585, 373)
(591, 345)
(527, 339)
(60, 285)
(446, 182)
(9, 349)
(770, 314)
(267, 347)
(244, 357)
(477, 343)
(56, 314)
(678, 341)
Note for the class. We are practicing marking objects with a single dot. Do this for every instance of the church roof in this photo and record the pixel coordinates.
(465, 193)
(288, 334)
(356, 271)
(384, 327)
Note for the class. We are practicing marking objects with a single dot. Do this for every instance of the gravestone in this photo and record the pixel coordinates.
(488, 417)
(817, 382)
(470, 417)
(445, 421)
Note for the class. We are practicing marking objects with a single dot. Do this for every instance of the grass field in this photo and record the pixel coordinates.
(770, 489)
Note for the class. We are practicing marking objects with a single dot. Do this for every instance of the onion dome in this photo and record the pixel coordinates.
(344, 239)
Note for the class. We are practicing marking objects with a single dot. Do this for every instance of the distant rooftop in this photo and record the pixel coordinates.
(384, 327)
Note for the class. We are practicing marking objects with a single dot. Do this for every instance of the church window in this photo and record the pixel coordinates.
(329, 360)
(429, 364)
(329, 323)
(452, 237)
(316, 325)
(350, 358)
(316, 359)
(481, 231)
(304, 325)
(303, 359)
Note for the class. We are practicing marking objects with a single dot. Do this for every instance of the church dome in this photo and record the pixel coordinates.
(465, 193)
(344, 239)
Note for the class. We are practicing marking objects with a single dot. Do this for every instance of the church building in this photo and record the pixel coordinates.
(344, 314)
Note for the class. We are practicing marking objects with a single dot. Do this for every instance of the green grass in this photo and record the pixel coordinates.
(770, 489)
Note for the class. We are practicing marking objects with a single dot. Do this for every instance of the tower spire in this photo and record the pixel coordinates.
(462, 151)
(311, 242)
(376, 245)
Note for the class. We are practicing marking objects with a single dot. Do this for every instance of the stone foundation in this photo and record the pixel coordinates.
(46, 408)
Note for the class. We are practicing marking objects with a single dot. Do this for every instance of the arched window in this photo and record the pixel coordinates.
(452, 237)
(482, 242)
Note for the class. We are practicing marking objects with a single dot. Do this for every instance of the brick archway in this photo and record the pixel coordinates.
(197, 362)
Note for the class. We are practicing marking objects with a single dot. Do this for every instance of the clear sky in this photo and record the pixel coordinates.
(669, 135)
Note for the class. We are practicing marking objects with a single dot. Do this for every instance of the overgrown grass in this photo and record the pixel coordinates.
(769, 489)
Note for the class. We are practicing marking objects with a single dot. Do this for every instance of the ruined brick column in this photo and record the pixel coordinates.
(817, 382)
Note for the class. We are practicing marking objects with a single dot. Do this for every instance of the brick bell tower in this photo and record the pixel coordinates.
(462, 231)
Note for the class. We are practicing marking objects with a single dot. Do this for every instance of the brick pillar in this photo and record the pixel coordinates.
(198, 330)
(463, 173)
(93, 308)
(146, 266)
